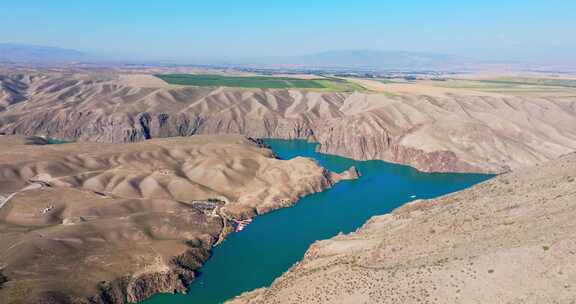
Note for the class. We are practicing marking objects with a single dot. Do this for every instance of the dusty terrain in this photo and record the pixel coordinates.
(433, 126)
(102, 223)
(508, 240)
(124, 213)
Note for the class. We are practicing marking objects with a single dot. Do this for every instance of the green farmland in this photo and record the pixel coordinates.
(263, 82)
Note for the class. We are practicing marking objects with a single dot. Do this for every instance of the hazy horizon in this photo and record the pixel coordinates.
(185, 31)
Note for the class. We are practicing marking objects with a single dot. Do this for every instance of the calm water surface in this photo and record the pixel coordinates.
(273, 242)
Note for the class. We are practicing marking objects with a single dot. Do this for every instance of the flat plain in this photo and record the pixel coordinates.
(261, 82)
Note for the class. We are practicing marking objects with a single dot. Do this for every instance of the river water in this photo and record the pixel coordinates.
(273, 242)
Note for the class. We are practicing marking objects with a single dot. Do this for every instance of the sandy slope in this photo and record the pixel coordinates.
(116, 221)
(508, 240)
(430, 128)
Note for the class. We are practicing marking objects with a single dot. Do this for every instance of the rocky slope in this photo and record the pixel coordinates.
(508, 240)
(452, 130)
(106, 223)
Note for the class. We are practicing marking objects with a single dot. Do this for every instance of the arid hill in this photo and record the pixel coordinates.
(432, 129)
(511, 239)
(106, 223)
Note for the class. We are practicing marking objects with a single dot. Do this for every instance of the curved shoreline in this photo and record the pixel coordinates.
(255, 249)
(129, 205)
(506, 240)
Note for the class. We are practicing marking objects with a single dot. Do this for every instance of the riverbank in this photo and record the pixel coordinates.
(120, 222)
(272, 243)
(506, 240)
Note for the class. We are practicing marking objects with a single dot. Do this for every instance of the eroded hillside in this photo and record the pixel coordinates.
(106, 223)
(433, 130)
(511, 239)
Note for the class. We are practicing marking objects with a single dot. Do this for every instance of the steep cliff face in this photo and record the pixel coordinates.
(446, 132)
(508, 240)
(136, 289)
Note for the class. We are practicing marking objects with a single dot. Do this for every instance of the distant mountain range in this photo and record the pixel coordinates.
(23, 53)
(337, 60)
(358, 59)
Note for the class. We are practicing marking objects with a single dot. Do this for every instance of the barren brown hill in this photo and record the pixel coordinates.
(508, 240)
(102, 223)
(430, 128)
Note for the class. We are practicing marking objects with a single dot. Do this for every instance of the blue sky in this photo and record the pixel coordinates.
(249, 28)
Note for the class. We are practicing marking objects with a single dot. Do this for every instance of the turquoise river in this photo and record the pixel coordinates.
(265, 249)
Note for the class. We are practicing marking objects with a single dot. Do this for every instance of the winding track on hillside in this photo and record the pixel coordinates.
(32, 186)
